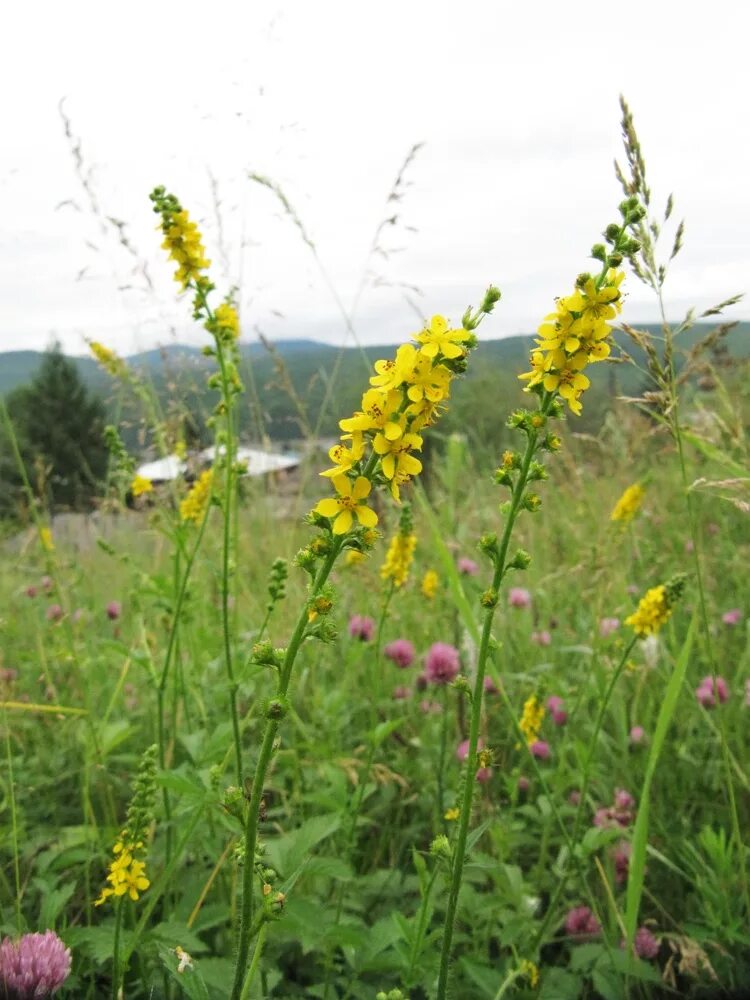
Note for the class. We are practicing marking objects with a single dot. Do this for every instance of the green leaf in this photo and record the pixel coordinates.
(561, 985)
(290, 851)
(637, 865)
(173, 932)
(181, 784)
(485, 978)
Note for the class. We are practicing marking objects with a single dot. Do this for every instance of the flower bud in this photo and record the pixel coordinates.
(531, 502)
(521, 560)
(263, 652)
(612, 232)
(489, 598)
(276, 708)
(440, 847)
(614, 259)
(599, 252)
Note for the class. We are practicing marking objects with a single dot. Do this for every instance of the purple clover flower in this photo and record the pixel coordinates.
(441, 663)
(400, 652)
(34, 967)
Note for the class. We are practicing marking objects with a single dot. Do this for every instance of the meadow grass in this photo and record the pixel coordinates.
(362, 782)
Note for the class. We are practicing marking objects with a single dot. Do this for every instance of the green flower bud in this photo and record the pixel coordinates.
(263, 653)
(612, 232)
(599, 252)
(531, 502)
(614, 259)
(521, 560)
(440, 847)
(276, 708)
(489, 598)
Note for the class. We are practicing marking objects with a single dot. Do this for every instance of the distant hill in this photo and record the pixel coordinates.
(178, 372)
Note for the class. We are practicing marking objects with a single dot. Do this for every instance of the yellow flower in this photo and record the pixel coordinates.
(141, 485)
(629, 504)
(653, 610)
(538, 369)
(531, 719)
(353, 557)
(46, 539)
(395, 455)
(430, 584)
(564, 376)
(438, 339)
(193, 506)
(345, 458)
(427, 381)
(452, 814)
(399, 558)
(133, 881)
(603, 303)
(377, 413)
(392, 374)
(529, 971)
(347, 504)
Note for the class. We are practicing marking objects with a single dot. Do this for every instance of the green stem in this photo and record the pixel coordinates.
(116, 973)
(254, 963)
(229, 482)
(476, 712)
(261, 768)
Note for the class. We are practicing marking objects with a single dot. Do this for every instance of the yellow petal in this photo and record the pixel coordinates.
(328, 507)
(343, 485)
(362, 487)
(367, 517)
(388, 464)
(343, 522)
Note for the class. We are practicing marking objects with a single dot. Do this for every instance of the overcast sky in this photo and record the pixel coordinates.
(515, 103)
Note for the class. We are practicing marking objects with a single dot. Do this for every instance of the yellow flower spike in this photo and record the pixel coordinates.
(107, 358)
(430, 584)
(629, 504)
(399, 558)
(653, 611)
(531, 719)
(46, 539)
(193, 506)
(226, 318)
(346, 506)
(438, 339)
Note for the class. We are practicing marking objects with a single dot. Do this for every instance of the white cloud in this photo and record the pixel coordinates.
(517, 105)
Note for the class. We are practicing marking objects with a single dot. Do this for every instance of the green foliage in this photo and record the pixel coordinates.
(59, 426)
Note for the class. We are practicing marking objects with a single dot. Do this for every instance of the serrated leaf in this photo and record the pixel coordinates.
(561, 985)
(288, 852)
